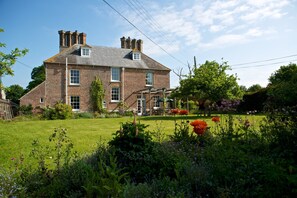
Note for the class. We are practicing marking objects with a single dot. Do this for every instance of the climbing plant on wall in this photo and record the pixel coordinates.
(97, 95)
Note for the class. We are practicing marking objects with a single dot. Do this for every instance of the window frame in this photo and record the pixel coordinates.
(72, 77)
(136, 56)
(75, 103)
(84, 50)
(155, 101)
(112, 70)
(149, 80)
(118, 94)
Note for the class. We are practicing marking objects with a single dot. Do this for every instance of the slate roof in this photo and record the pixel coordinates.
(105, 56)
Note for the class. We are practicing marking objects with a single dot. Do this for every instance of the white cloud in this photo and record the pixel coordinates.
(265, 9)
(255, 32)
(216, 28)
(231, 39)
(224, 40)
(207, 24)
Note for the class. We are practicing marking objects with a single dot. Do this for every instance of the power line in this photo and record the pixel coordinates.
(152, 22)
(143, 33)
(267, 60)
(25, 64)
(264, 65)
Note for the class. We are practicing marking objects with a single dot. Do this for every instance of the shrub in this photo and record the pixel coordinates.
(83, 115)
(60, 111)
(26, 109)
(192, 106)
(253, 101)
(142, 190)
(280, 130)
(133, 148)
(10, 185)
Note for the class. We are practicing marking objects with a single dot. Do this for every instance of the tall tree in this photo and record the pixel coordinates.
(14, 93)
(37, 76)
(7, 60)
(282, 89)
(243, 88)
(210, 82)
(254, 88)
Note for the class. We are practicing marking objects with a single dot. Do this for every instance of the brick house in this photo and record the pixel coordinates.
(128, 75)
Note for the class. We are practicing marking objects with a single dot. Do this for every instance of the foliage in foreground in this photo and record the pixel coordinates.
(196, 161)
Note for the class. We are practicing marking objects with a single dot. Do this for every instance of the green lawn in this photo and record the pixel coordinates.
(16, 136)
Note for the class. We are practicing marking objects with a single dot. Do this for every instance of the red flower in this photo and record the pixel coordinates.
(174, 111)
(199, 126)
(183, 112)
(215, 119)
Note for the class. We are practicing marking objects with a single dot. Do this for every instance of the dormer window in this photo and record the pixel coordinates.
(85, 52)
(136, 56)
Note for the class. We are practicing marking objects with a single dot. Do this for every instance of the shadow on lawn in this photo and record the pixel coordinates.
(191, 117)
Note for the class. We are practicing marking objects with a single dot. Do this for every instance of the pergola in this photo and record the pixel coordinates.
(151, 90)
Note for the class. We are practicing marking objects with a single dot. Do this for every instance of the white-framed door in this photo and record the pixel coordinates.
(141, 106)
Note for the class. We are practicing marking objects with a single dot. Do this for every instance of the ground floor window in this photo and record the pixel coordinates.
(156, 100)
(115, 94)
(75, 103)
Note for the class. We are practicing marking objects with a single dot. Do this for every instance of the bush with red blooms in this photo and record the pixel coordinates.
(199, 126)
(183, 112)
(215, 119)
(174, 111)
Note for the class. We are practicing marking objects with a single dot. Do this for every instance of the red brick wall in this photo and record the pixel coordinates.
(54, 84)
(33, 97)
(134, 80)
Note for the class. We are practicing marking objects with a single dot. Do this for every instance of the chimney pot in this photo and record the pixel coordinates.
(128, 43)
(134, 44)
(123, 43)
(139, 45)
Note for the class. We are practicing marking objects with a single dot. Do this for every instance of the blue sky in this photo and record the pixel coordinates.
(237, 31)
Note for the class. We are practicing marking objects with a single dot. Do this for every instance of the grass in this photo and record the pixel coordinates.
(16, 136)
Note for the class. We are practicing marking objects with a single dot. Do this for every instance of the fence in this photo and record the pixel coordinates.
(6, 112)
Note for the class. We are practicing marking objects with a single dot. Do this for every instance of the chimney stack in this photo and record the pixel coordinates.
(139, 45)
(131, 44)
(123, 43)
(68, 38)
(128, 43)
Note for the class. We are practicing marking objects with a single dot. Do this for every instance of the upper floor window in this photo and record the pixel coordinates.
(136, 56)
(74, 77)
(75, 103)
(85, 52)
(115, 94)
(115, 74)
(149, 79)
